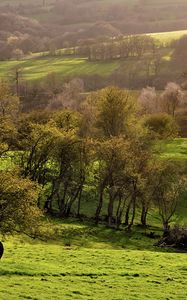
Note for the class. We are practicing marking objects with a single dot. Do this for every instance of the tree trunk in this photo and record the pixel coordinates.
(118, 213)
(69, 205)
(127, 214)
(79, 204)
(166, 227)
(110, 210)
(144, 216)
(133, 212)
(100, 205)
(62, 205)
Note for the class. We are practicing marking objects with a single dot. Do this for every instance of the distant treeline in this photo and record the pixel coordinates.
(37, 26)
(131, 46)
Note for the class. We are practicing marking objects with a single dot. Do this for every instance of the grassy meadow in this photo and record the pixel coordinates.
(174, 149)
(52, 272)
(36, 69)
(168, 37)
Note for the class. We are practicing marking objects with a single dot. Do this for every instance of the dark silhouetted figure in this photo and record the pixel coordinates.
(1, 250)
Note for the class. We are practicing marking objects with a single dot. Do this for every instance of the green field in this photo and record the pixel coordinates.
(167, 37)
(40, 271)
(34, 69)
(175, 149)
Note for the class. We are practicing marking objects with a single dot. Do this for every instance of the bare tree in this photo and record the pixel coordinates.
(171, 98)
(148, 100)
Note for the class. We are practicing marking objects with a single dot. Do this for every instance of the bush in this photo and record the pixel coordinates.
(161, 125)
(18, 203)
(175, 238)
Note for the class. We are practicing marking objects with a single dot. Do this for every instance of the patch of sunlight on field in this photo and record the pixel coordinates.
(175, 149)
(168, 56)
(34, 69)
(167, 37)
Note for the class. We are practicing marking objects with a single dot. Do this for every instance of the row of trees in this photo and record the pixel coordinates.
(99, 162)
(119, 48)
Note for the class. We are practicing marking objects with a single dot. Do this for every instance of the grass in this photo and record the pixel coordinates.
(35, 69)
(168, 37)
(174, 149)
(43, 271)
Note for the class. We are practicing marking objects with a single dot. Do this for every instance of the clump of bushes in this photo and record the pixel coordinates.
(175, 238)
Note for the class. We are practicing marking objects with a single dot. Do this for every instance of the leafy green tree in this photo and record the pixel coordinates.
(67, 120)
(9, 108)
(37, 148)
(122, 152)
(147, 188)
(9, 103)
(111, 158)
(18, 204)
(161, 126)
(70, 166)
(8, 133)
(169, 185)
(116, 108)
(120, 173)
